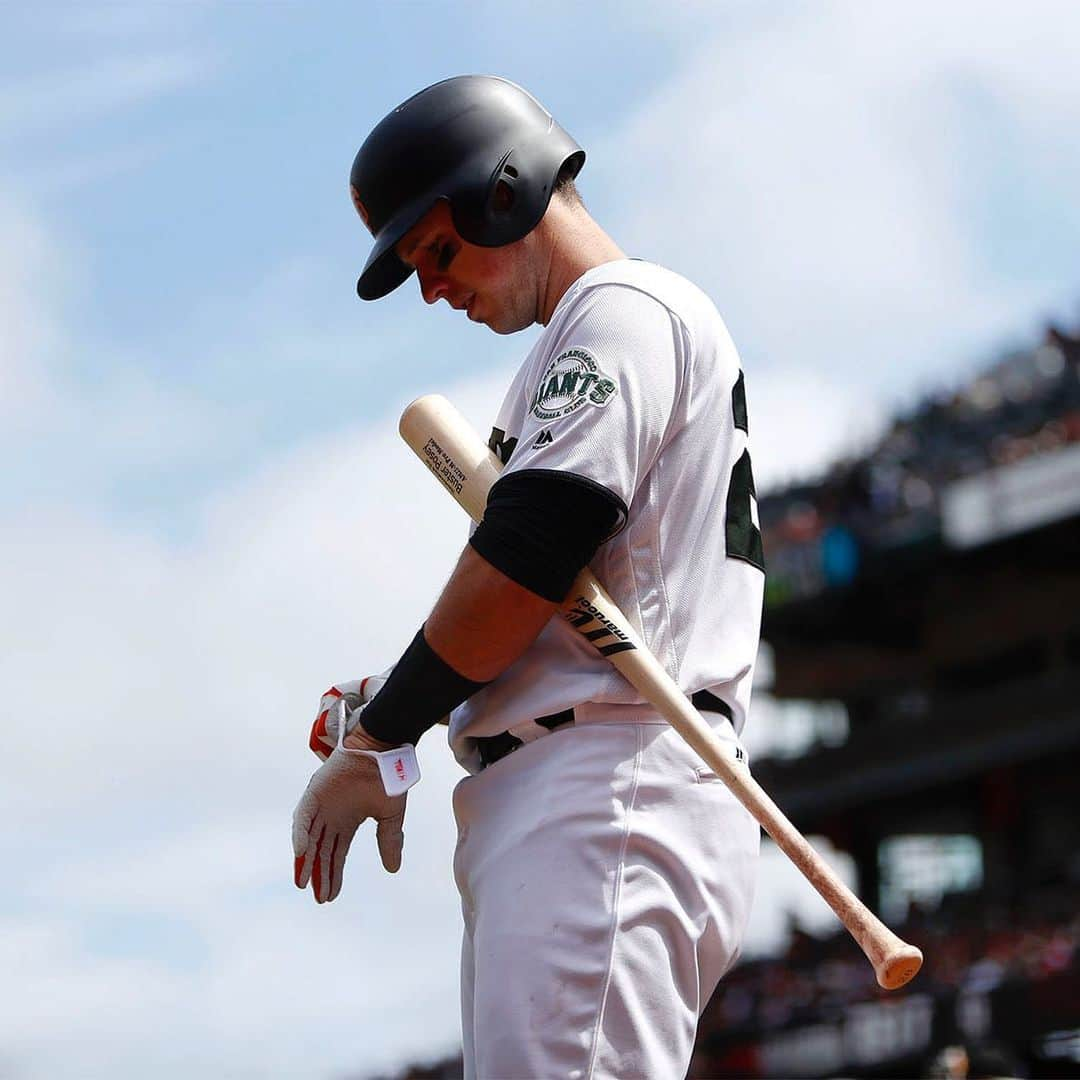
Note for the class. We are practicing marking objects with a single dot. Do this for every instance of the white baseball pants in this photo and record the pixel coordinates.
(606, 878)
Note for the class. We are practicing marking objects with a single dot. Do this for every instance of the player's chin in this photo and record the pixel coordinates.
(502, 323)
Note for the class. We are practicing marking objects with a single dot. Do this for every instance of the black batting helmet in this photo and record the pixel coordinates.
(456, 140)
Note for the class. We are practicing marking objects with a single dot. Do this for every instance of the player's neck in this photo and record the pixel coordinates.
(576, 244)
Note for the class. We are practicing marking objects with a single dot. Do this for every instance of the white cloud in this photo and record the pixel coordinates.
(123, 21)
(812, 173)
(156, 713)
(801, 423)
(27, 324)
(157, 700)
(46, 102)
(288, 557)
(72, 173)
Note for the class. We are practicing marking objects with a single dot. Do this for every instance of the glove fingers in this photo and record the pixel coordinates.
(337, 866)
(303, 818)
(303, 831)
(306, 862)
(320, 878)
(391, 839)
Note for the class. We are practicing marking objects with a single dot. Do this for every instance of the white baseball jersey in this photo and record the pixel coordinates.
(636, 386)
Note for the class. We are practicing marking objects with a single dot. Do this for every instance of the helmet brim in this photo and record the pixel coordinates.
(384, 271)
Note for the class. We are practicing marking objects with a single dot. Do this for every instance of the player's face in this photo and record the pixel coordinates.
(491, 285)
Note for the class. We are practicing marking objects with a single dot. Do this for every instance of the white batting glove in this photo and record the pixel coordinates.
(351, 786)
(356, 694)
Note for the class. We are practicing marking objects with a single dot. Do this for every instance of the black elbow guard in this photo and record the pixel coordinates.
(542, 526)
(421, 690)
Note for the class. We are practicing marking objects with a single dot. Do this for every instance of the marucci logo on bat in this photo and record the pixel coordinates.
(584, 613)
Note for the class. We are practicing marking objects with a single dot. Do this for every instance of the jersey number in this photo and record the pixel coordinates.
(743, 537)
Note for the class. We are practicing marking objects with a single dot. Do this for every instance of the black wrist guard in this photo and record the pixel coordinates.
(420, 691)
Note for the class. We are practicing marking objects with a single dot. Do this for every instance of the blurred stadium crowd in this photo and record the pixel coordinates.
(818, 534)
(968, 945)
(973, 948)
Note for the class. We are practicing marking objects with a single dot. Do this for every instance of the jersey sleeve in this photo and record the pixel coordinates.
(600, 401)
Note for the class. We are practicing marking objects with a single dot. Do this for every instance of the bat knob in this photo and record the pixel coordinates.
(899, 967)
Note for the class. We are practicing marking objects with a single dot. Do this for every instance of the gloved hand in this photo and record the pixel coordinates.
(360, 780)
(356, 694)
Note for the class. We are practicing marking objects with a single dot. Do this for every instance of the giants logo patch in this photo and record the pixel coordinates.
(571, 381)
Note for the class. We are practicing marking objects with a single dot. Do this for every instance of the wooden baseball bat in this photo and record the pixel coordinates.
(443, 439)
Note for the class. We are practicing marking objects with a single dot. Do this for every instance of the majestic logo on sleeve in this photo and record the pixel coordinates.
(572, 380)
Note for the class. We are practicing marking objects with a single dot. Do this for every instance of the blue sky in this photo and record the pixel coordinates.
(205, 513)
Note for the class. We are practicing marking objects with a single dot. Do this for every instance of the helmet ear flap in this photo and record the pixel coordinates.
(503, 195)
(490, 214)
(503, 198)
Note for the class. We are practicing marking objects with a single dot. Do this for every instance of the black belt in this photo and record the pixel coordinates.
(495, 747)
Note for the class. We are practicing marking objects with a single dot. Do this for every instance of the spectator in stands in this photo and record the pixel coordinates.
(982, 1061)
(1067, 344)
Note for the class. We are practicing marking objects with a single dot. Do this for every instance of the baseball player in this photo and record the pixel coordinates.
(605, 874)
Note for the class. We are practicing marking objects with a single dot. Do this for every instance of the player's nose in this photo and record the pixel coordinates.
(433, 287)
